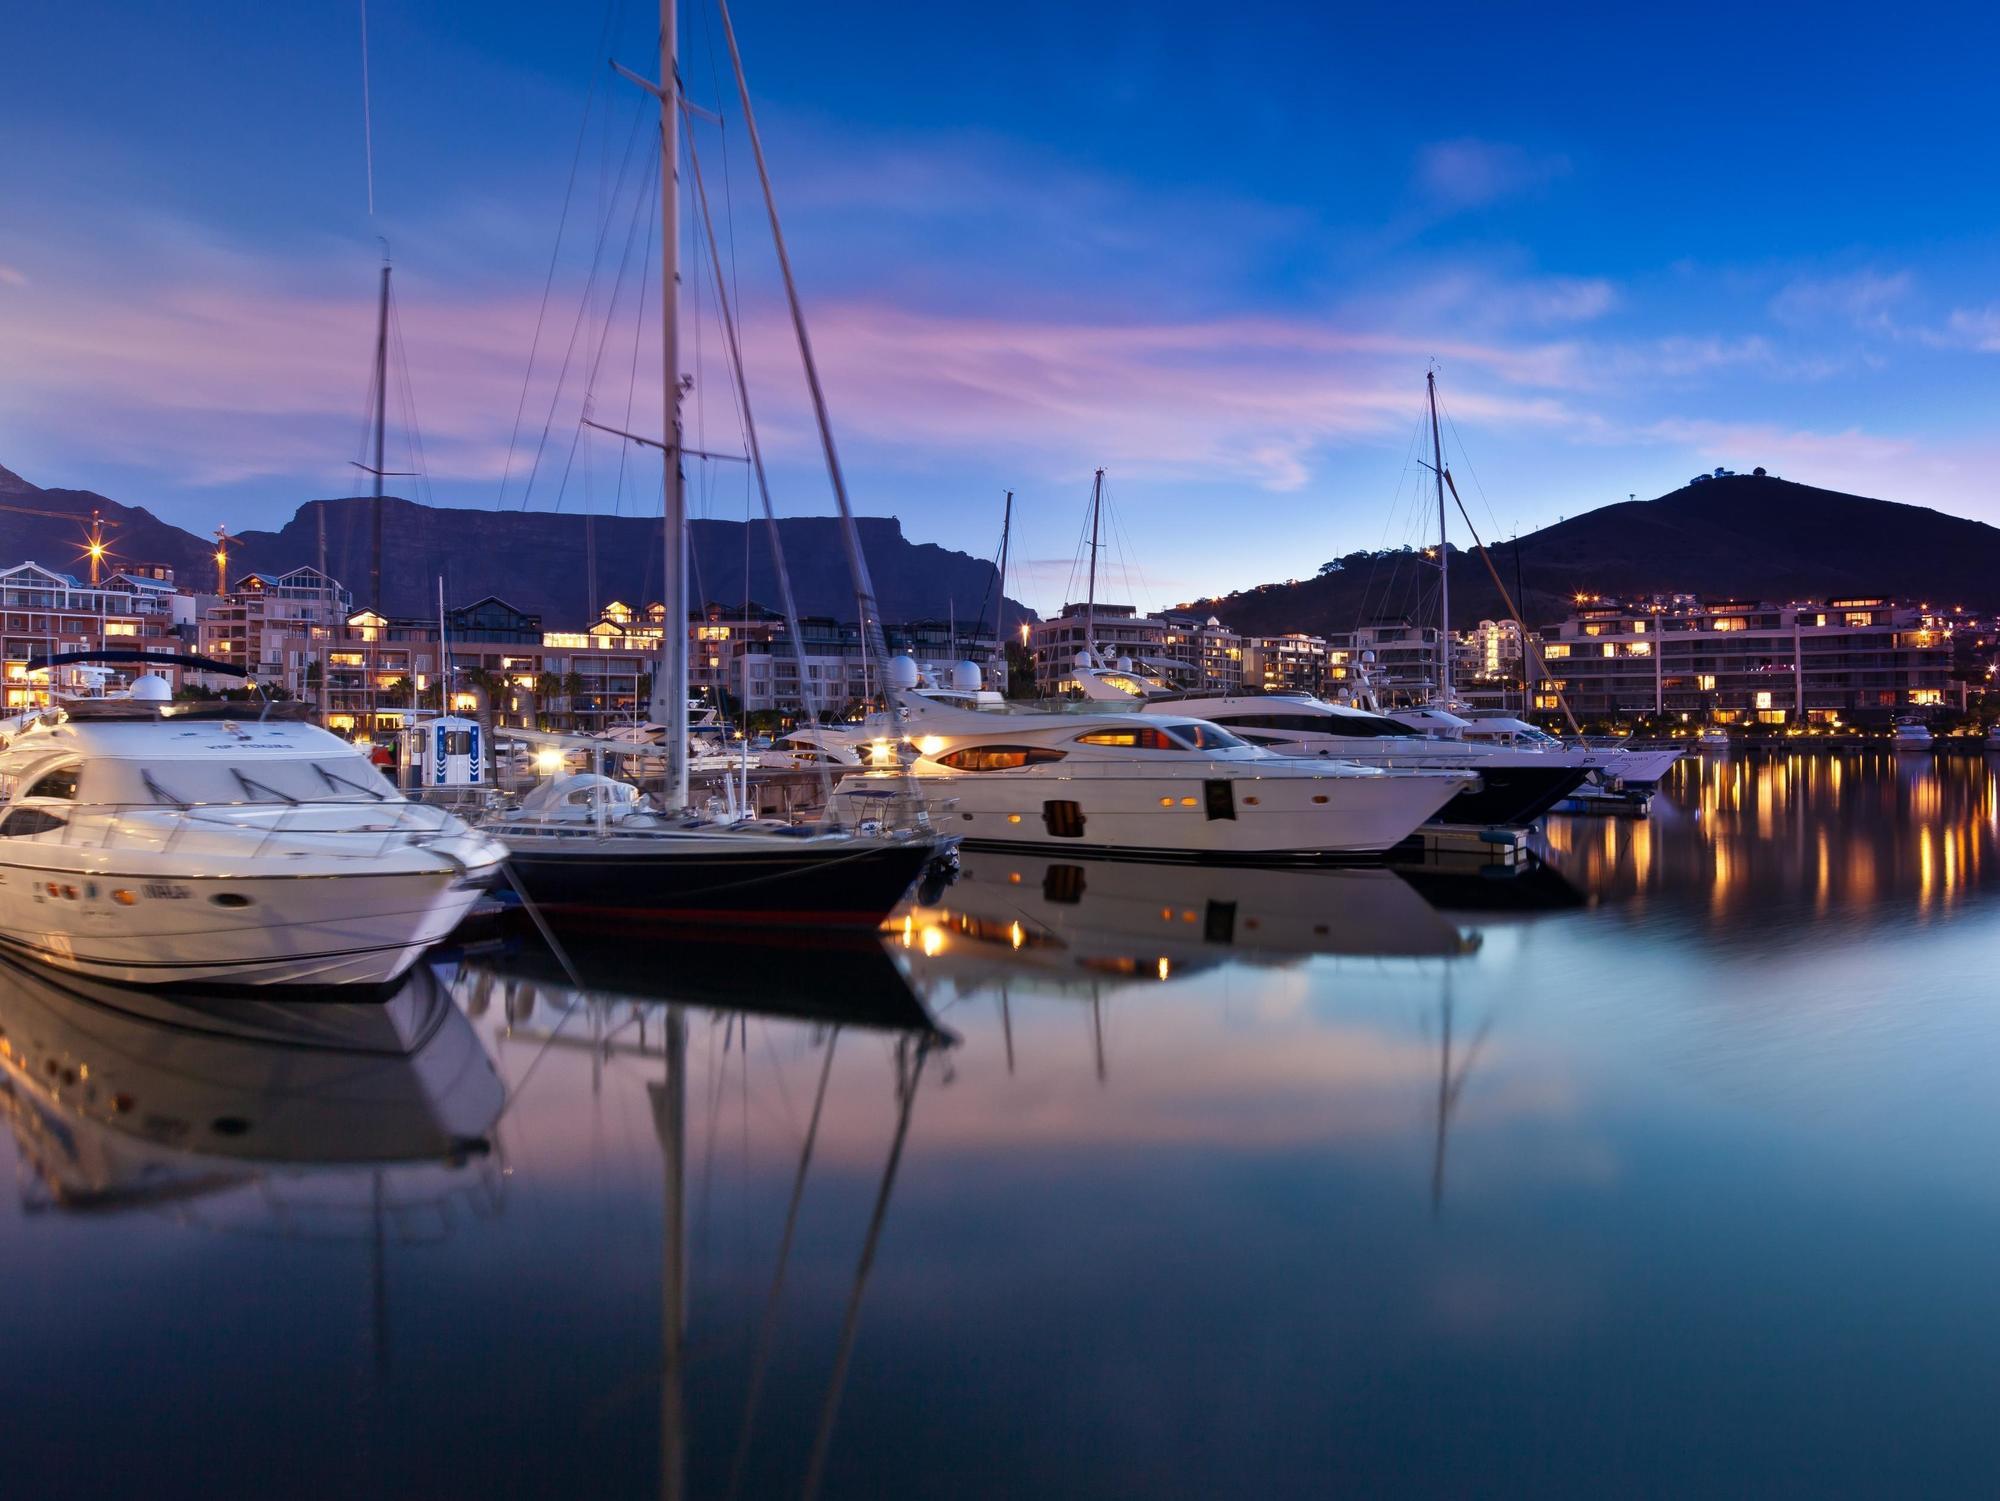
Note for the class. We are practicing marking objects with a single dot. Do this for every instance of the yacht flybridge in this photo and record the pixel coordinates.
(148, 842)
(1159, 787)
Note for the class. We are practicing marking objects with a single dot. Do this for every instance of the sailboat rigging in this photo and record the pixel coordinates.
(586, 845)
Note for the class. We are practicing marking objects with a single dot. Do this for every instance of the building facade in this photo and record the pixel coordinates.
(1750, 662)
(44, 611)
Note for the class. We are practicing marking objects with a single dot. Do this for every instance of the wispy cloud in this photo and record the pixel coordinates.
(11, 276)
(1974, 328)
(1470, 173)
(1870, 301)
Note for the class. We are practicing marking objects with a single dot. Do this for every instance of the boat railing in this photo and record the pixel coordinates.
(328, 826)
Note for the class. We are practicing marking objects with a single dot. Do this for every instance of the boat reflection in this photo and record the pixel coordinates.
(1861, 833)
(124, 1097)
(1081, 922)
(637, 998)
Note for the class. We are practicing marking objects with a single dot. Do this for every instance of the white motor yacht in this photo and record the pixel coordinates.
(1634, 767)
(1163, 787)
(1912, 735)
(148, 842)
(1517, 783)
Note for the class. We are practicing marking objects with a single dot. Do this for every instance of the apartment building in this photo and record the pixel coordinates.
(270, 625)
(44, 611)
(1293, 663)
(1750, 661)
(1187, 650)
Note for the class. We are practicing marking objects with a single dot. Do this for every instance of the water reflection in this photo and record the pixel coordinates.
(1089, 1179)
(1766, 839)
(1075, 923)
(637, 1007)
(123, 1098)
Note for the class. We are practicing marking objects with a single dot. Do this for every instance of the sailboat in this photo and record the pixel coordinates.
(585, 846)
(1614, 764)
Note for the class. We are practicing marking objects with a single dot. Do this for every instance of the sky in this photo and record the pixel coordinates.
(1213, 250)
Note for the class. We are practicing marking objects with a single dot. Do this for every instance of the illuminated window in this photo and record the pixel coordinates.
(120, 628)
(1731, 623)
(1926, 696)
(1556, 649)
(1610, 649)
(1764, 699)
(1705, 682)
(997, 757)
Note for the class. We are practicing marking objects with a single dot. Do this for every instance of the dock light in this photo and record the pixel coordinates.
(1015, 936)
(930, 745)
(1165, 968)
(548, 760)
(878, 753)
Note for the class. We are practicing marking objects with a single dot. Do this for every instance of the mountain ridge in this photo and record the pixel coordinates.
(535, 560)
(1729, 537)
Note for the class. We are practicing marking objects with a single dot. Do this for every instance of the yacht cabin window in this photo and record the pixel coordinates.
(58, 783)
(1357, 726)
(997, 757)
(1176, 737)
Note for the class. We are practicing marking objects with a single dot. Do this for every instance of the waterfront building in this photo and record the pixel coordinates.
(1291, 663)
(44, 611)
(1748, 661)
(270, 625)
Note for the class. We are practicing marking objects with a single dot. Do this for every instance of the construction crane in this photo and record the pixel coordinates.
(94, 546)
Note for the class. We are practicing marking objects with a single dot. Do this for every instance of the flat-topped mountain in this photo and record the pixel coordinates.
(537, 560)
(1738, 536)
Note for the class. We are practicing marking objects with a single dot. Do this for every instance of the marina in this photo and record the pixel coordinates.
(1295, 1151)
(1086, 753)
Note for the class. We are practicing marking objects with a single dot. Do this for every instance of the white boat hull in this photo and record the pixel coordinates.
(1295, 812)
(305, 930)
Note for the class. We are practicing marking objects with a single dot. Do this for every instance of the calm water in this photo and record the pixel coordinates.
(1670, 1170)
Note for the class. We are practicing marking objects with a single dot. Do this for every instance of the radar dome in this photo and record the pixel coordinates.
(1084, 658)
(903, 671)
(1124, 664)
(965, 677)
(151, 688)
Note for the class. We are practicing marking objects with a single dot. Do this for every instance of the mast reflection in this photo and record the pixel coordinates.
(833, 985)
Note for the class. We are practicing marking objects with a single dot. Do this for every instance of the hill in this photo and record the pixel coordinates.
(1739, 536)
(537, 560)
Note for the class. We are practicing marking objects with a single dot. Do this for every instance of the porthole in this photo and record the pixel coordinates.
(230, 899)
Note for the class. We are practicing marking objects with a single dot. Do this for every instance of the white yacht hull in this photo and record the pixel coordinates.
(1294, 813)
(304, 930)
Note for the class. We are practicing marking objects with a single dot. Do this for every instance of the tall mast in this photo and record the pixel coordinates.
(381, 426)
(1000, 605)
(324, 612)
(1444, 559)
(669, 706)
(1090, 600)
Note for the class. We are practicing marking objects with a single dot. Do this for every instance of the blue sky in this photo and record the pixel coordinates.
(1213, 249)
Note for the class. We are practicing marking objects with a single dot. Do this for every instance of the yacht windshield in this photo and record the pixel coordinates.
(1207, 737)
(188, 783)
